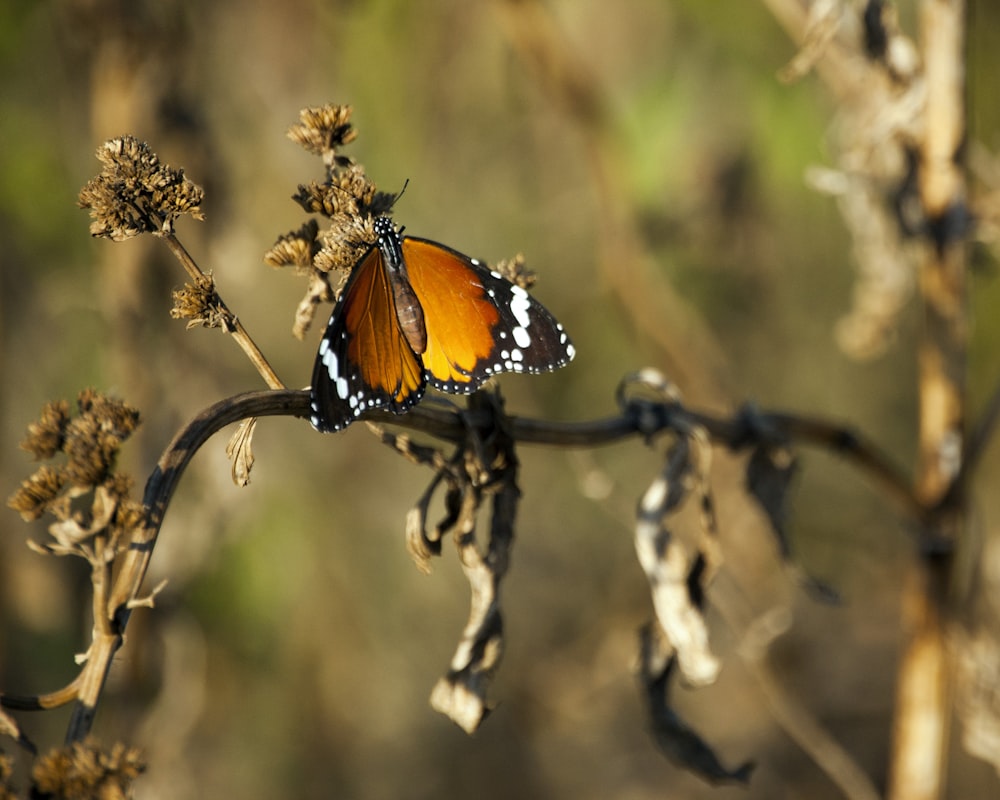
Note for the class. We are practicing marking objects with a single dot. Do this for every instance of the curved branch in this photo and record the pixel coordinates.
(638, 418)
(42, 702)
(747, 426)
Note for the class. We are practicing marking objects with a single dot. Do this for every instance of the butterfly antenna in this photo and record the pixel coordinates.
(400, 194)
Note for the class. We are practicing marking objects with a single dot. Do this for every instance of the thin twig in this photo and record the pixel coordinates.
(234, 326)
(41, 702)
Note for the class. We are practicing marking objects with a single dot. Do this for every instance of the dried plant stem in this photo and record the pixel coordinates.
(115, 599)
(113, 603)
(118, 587)
(183, 256)
(233, 326)
(92, 679)
(919, 758)
(40, 702)
(745, 426)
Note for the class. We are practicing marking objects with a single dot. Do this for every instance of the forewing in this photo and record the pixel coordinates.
(478, 323)
(364, 361)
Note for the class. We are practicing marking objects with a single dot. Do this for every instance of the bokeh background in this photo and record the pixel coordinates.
(648, 162)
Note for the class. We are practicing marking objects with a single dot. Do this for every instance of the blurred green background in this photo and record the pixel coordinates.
(293, 649)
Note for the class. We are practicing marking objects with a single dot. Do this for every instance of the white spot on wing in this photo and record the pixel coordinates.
(519, 304)
(522, 337)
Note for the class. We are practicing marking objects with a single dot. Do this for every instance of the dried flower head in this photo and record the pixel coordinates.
(89, 452)
(346, 196)
(90, 443)
(296, 248)
(85, 769)
(94, 438)
(325, 199)
(200, 304)
(322, 129)
(349, 191)
(114, 416)
(343, 243)
(45, 437)
(36, 493)
(135, 193)
(516, 271)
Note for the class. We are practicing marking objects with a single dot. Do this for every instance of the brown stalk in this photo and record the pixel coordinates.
(113, 602)
(233, 325)
(918, 769)
(918, 766)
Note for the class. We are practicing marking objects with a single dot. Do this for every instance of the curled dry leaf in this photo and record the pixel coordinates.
(675, 738)
(240, 451)
(669, 568)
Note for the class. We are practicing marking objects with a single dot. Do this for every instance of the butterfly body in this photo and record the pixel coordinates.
(415, 312)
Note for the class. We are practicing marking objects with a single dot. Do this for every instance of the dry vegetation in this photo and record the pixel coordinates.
(240, 640)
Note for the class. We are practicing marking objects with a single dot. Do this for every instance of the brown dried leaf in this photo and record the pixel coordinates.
(674, 574)
(240, 451)
(676, 739)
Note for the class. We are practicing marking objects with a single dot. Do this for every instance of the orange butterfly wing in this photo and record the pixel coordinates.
(478, 323)
(364, 361)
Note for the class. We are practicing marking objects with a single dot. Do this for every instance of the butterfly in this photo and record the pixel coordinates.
(414, 312)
